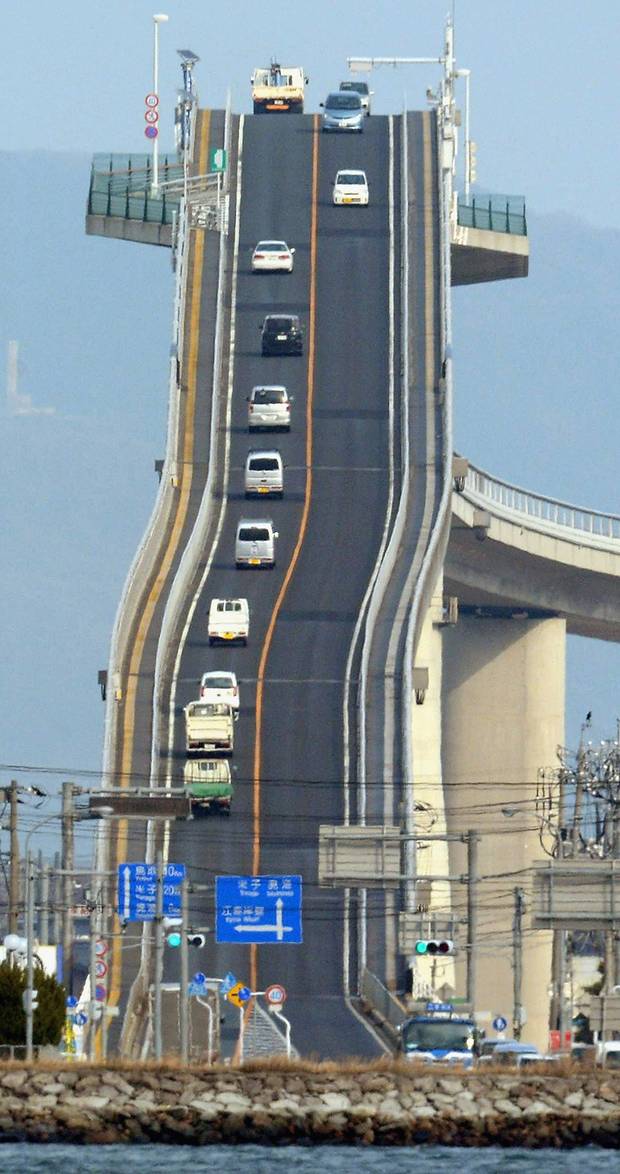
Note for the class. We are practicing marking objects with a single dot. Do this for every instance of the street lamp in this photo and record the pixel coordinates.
(30, 923)
(158, 18)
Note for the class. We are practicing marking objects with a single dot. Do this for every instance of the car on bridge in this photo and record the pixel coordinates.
(281, 335)
(269, 407)
(264, 473)
(350, 187)
(360, 88)
(219, 685)
(272, 257)
(255, 544)
(343, 112)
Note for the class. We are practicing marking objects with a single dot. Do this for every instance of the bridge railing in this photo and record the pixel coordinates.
(120, 185)
(543, 513)
(496, 213)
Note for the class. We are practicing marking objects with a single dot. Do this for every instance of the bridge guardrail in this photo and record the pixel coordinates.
(547, 514)
(432, 561)
(493, 213)
(382, 1001)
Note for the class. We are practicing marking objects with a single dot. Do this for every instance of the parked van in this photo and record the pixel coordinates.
(264, 473)
(255, 543)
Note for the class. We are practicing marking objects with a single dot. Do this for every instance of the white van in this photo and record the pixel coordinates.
(264, 473)
(255, 544)
(269, 407)
(229, 620)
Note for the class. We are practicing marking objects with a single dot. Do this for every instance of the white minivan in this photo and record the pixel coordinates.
(255, 544)
(269, 407)
(264, 473)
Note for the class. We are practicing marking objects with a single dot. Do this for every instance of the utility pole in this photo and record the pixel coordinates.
(14, 887)
(183, 989)
(44, 915)
(67, 870)
(517, 962)
(472, 915)
(159, 953)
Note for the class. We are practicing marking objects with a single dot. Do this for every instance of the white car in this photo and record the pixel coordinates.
(220, 686)
(272, 257)
(269, 407)
(350, 187)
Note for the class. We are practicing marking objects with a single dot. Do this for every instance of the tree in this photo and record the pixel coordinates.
(49, 1016)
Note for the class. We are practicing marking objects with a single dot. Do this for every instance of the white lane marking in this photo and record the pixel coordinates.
(220, 523)
(362, 613)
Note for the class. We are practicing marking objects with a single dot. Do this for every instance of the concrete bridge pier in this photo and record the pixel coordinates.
(502, 719)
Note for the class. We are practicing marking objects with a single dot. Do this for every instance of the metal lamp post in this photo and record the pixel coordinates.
(158, 18)
(30, 926)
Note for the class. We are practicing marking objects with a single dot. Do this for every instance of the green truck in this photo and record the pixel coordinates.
(208, 783)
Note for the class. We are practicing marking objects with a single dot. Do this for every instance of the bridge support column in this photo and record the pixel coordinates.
(503, 717)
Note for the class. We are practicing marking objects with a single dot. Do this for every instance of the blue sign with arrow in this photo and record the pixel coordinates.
(137, 891)
(258, 909)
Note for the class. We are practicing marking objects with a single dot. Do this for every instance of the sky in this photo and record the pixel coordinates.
(93, 317)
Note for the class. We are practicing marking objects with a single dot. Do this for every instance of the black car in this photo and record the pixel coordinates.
(281, 335)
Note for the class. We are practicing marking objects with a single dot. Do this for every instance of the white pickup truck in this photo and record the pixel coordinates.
(209, 726)
(229, 621)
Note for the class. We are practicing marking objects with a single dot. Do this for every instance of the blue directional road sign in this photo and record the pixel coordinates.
(258, 909)
(499, 1023)
(137, 891)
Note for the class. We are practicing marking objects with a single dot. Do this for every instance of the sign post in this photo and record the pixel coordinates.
(258, 909)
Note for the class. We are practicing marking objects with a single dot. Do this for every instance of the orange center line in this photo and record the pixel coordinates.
(256, 782)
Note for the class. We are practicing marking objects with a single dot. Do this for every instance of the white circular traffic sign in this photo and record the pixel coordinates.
(101, 947)
(275, 995)
(101, 968)
(152, 100)
(151, 115)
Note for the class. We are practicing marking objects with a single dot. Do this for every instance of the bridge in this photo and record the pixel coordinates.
(381, 530)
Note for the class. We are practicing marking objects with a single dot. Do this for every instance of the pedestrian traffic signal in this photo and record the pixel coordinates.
(434, 947)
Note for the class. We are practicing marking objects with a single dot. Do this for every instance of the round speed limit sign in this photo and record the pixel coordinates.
(275, 995)
(151, 100)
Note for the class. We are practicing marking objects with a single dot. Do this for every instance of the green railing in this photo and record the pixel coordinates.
(497, 213)
(120, 185)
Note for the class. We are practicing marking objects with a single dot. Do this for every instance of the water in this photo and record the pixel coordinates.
(252, 1159)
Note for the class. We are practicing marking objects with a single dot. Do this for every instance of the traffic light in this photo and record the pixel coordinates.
(434, 947)
(196, 939)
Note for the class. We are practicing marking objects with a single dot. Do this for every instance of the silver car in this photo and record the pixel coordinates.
(269, 407)
(264, 473)
(360, 88)
(255, 544)
(343, 111)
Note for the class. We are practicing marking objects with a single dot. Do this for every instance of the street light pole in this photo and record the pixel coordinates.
(29, 954)
(158, 18)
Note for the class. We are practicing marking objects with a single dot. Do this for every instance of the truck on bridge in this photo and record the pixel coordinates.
(278, 89)
(209, 726)
(208, 783)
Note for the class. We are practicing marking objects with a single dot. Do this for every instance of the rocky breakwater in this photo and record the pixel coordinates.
(381, 1104)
